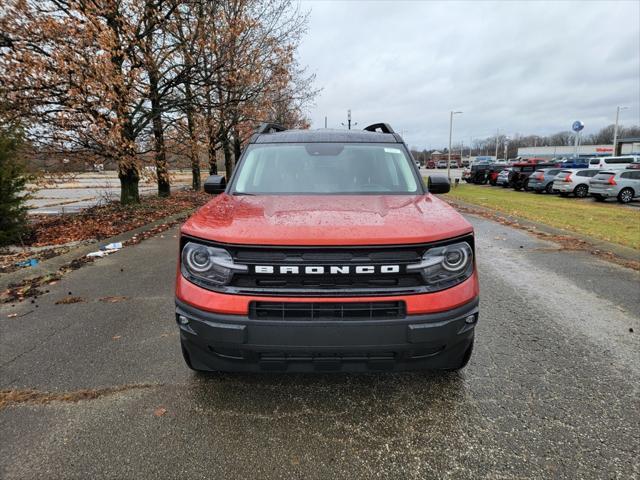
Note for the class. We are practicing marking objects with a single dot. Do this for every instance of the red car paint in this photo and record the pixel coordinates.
(326, 220)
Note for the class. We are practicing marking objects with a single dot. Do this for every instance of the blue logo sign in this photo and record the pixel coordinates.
(577, 126)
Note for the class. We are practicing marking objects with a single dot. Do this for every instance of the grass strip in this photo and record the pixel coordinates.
(609, 221)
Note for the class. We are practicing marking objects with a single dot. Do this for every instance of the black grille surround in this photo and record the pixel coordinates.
(317, 285)
(326, 311)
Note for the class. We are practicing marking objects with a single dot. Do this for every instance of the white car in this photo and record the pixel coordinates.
(441, 164)
(574, 181)
(613, 162)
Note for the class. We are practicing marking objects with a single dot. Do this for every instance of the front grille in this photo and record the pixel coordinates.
(309, 311)
(321, 284)
(327, 283)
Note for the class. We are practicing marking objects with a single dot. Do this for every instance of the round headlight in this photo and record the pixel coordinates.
(199, 259)
(455, 260)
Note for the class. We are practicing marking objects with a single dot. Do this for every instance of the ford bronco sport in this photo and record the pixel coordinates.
(326, 251)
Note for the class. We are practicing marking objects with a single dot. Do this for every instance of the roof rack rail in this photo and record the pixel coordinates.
(382, 127)
(270, 128)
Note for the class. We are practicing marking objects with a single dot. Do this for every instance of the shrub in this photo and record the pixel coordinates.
(13, 178)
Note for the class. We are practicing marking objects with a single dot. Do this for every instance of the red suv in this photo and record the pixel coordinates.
(326, 251)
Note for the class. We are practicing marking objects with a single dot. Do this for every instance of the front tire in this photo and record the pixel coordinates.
(549, 187)
(625, 195)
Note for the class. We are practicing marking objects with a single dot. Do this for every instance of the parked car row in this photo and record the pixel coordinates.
(602, 178)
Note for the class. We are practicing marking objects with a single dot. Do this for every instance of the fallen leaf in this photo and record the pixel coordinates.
(12, 315)
(160, 411)
(68, 300)
(114, 299)
(116, 337)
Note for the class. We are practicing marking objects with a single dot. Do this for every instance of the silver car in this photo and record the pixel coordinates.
(503, 178)
(623, 184)
(574, 181)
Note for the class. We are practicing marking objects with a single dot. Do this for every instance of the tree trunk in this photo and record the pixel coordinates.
(196, 183)
(193, 144)
(162, 171)
(129, 178)
(211, 150)
(237, 147)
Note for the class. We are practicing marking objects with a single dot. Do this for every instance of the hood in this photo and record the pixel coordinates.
(326, 220)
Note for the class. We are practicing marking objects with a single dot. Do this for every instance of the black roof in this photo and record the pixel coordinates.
(326, 135)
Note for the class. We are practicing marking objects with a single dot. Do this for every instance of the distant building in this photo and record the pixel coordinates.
(568, 151)
(435, 156)
(628, 145)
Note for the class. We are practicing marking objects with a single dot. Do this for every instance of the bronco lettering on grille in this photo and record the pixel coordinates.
(325, 269)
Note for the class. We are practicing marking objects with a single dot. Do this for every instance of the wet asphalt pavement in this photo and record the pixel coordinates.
(552, 390)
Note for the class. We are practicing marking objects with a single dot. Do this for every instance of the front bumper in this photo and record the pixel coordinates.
(220, 342)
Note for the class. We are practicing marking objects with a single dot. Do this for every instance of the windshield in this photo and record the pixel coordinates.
(326, 168)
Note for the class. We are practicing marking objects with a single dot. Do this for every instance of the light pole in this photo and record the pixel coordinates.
(615, 129)
(349, 120)
(497, 136)
(450, 132)
(506, 147)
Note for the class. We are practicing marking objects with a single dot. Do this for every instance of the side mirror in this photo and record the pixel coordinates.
(215, 184)
(438, 184)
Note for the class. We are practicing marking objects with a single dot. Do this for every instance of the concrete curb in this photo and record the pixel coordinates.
(621, 251)
(53, 264)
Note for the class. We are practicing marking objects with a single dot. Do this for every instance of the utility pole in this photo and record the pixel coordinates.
(449, 151)
(615, 130)
(497, 135)
(325, 121)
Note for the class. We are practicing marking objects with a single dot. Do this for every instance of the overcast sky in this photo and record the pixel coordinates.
(522, 67)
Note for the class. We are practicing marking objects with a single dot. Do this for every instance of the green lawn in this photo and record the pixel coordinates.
(610, 221)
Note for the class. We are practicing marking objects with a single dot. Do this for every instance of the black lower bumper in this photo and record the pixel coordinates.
(216, 342)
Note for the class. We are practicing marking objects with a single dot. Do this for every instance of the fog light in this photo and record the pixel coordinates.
(183, 320)
(470, 319)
